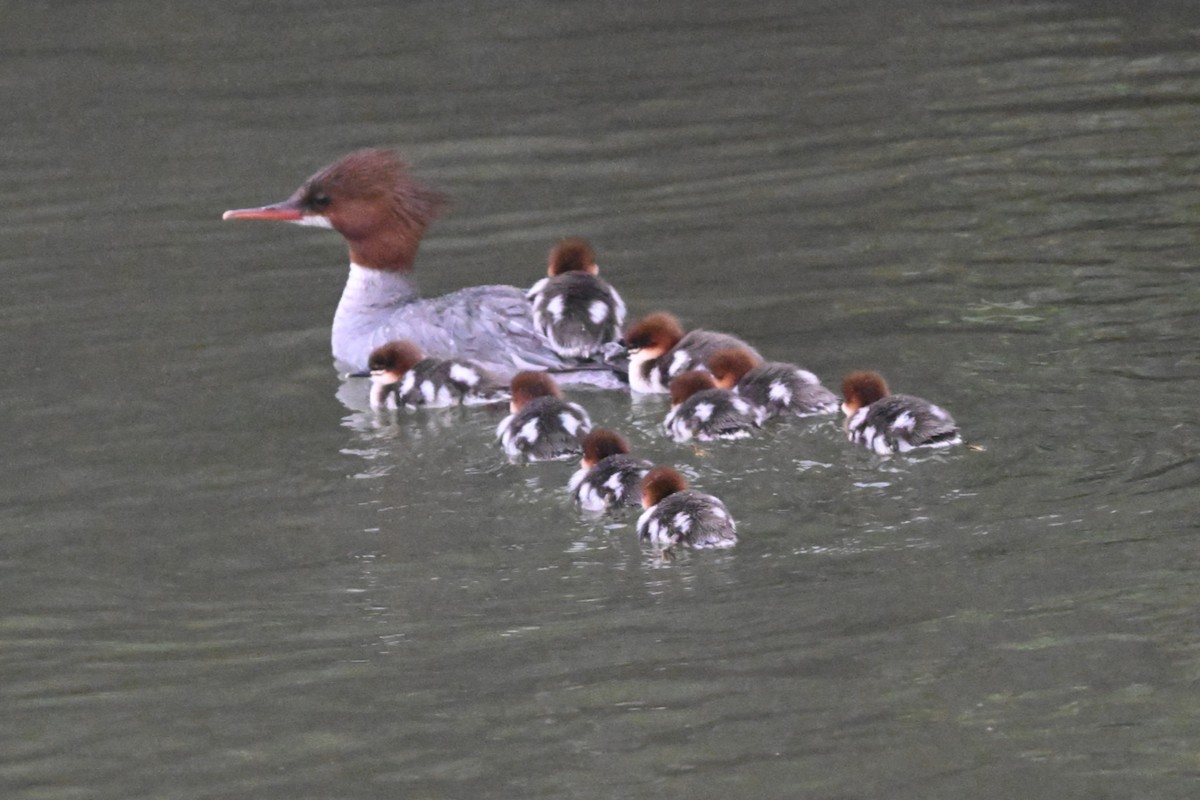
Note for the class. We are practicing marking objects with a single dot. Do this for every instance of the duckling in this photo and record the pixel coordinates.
(782, 389)
(403, 376)
(676, 514)
(608, 475)
(542, 426)
(573, 308)
(659, 350)
(893, 423)
(703, 411)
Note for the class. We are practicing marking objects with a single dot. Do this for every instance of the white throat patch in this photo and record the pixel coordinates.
(314, 221)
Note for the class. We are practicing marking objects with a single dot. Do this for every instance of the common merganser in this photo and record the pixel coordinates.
(402, 376)
(573, 308)
(608, 475)
(542, 426)
(369, 198)
(700, 410)
(659, 350)
(677, 515)
(893, 423)
(778, 387)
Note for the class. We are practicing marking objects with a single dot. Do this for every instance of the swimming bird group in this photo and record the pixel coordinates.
(495, 344)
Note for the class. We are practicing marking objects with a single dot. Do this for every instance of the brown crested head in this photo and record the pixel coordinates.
(530, 385)
(655, 334)
(396, 357)
(730, 364)
(369, 197)
(601, 443)
(862, 388)
(661, 482)
(686, 384)
(571, 255)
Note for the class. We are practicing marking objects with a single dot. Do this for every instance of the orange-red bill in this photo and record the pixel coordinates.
(284, 211)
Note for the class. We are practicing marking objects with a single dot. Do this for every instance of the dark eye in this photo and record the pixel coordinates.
(319, 201)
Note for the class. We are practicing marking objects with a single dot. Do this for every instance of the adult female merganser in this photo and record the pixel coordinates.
(779, 388)
(892, 423)
(659, 350)
(402, 376)
(608, 476)
(677, 515)
(701, 410)
(573, 308)
(369, 198)
(542, 426)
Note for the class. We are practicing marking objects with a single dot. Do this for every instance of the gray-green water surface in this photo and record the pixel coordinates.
(220, 577)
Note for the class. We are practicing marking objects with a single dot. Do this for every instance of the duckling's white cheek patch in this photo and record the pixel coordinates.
(382, 397)
(678, 361)
(877, 441)
(578, 480)
(655, 530)
(407, 384)
(464, 375)
(590, 499)
(570, 422)
(529, 431)
(314, 221)
(637, 371)
(555, 307)
(598, 311)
